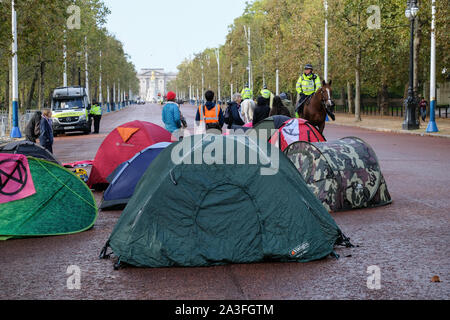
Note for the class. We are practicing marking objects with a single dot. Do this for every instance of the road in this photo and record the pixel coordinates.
(407, 240)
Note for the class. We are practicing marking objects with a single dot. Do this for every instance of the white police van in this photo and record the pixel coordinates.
(70, 110)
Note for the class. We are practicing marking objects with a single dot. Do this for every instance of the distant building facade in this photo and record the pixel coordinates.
(153, 83)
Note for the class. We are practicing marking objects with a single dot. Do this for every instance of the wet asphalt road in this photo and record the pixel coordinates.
(408, 240)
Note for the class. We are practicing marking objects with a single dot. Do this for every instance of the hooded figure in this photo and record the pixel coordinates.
(278, 108)
(32, 130)
(288, 104)
(262, 111)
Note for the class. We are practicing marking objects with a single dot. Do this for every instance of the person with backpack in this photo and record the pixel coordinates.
(33, 129)
(233, 115)
(210, 114)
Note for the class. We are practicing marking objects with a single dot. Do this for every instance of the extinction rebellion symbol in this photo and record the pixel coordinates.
(12, 183)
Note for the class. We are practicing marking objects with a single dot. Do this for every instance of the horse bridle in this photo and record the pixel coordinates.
(326, 102)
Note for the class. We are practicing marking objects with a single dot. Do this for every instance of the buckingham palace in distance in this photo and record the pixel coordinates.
(153, 83)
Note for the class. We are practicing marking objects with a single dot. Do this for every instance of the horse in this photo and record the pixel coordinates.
(247, 107)
(315, 108)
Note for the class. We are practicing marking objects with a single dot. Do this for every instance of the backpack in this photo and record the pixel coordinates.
(228, 116)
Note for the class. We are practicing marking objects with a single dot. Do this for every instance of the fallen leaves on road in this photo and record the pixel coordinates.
(435, 279)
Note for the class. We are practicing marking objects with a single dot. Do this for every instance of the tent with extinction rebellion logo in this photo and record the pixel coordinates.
(40, 198)
(213, 200)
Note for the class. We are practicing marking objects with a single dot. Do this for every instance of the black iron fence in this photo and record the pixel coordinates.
(393, 111)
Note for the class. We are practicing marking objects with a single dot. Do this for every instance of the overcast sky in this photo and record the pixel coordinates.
(162, 33)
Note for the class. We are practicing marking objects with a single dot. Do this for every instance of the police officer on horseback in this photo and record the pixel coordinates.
(307, 85)
(247, 93)
(265, 93)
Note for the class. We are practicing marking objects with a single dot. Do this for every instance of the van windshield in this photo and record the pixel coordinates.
(68, 104)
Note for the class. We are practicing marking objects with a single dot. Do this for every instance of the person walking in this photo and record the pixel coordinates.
(262, 110)
(423, 109)
(278, 108)
(46, 130)
(32, 129)
(235, 114)
(171, 116)
(96, 113)
(210, 114)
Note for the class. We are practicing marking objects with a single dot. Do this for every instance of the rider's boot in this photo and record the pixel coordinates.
(300, 111)
(331, 114)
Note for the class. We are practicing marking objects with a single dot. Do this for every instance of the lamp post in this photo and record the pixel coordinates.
(411, 123)
(65, 60)
(15, 130)
(325, 71)
(218, 74)
(100, 96)
(432, 126)
(87, 70)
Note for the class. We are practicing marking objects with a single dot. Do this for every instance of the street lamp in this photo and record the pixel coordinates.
(411, 123)
(15, 130)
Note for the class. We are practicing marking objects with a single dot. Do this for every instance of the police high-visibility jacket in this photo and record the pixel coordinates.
(247, 93)
(209, 116)
(265, 93)
(96, 110)
(308, 84)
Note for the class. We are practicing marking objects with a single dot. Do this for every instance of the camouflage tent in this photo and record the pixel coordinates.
(343, 174)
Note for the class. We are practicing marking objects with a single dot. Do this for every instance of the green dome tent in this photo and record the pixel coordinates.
(61, 204)
(343, 174)
(188, 214)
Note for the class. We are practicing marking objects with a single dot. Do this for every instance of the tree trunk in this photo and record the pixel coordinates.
(42, 85)
(350, 97)
(417, 42)
(343, 97)
(95, 96)
(74, 75)
(33, 85)
(358, 87)
(22, 100)
(384, 100)
(405, 92)
(379, 99)
(7, 89)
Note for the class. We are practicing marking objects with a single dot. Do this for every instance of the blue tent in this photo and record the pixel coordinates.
(126, 176)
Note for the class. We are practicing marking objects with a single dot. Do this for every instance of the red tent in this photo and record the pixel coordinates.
(121, 145)
(296, 130)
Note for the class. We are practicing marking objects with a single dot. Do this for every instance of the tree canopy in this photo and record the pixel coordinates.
(44, 28)
(287, 34)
